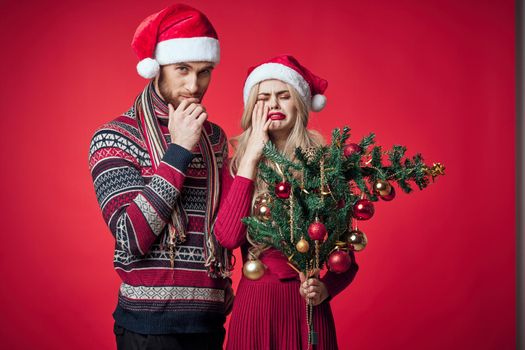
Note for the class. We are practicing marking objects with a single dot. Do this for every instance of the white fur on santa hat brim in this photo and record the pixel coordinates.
(318, 102)
(148, 68)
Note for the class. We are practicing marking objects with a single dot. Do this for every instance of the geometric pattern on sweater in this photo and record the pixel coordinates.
(114, 181)
(154, 221)
(109, 139)
(118, 179)
(121, 236)
(171, 292)
(174, 306)
(128, 129)
(198, 163)
(130, 112)
(182, 254)
(164, 189)
(195, 199)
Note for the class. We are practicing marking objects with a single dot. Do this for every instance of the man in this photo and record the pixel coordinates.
(156, 175)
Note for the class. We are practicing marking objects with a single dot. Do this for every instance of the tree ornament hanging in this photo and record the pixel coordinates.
(261, 207)
(382, 187)
(389, 196)
(356, 240)
(339, 261)
(253, 269)
(317, 230)
(283, 189)
(363, 209)
(263, 198)
(351, 148)
(302, 246)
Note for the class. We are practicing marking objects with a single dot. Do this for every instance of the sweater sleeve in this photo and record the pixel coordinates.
(235, 203)
(336, 282)
(135, 212)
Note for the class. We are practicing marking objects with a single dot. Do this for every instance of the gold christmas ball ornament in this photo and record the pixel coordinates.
(253, 269)
(382, 188)
(264, 199)
(356, 240)
(302, 246)
(262, 212)
(261, 207)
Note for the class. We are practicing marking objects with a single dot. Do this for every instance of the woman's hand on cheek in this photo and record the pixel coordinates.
(256, 142)
(259, 132)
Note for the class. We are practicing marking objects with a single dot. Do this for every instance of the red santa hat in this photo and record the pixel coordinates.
(287, 69)
(179, 33)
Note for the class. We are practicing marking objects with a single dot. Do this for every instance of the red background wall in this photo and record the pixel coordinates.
(436, 76)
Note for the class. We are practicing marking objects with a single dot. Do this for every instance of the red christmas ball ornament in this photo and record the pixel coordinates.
(389, 196)
(339, 261)
(363, 209)
(351, 148)
(283, 189)
(317, 230)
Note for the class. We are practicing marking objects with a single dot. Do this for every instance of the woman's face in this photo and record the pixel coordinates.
(282, 109)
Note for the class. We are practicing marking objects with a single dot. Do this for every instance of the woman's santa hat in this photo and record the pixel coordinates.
(287, 69)
(179, 33)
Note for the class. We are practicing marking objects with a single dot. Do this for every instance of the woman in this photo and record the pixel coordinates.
(270, 313)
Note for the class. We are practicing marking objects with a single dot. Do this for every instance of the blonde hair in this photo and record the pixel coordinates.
(299, 136)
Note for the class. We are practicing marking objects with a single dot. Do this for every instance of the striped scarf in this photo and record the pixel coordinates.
(217, 259)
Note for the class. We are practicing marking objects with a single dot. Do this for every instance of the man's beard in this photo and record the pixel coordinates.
(167, 94)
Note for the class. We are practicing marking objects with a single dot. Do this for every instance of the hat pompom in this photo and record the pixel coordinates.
(318, 102)
(148, 68)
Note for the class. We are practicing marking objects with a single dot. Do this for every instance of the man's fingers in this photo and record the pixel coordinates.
(202, 118)
(196, 112)
(191, 108)
(182, 106)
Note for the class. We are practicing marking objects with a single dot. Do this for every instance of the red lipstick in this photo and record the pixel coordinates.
(276, 116)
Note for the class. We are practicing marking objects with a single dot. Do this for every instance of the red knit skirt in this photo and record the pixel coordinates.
(270, 314)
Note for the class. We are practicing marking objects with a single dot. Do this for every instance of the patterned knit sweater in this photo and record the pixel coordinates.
(136, 204)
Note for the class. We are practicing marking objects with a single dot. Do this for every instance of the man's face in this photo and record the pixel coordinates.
(180, 81)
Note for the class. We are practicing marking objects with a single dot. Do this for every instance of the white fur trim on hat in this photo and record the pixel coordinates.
(318, 102)
(196, 49)
(281, 72)
(148, 68)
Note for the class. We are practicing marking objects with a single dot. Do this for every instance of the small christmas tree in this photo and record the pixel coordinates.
(312, 204)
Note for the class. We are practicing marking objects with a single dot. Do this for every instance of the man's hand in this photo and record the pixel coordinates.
(313, 289)
(185, 123)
